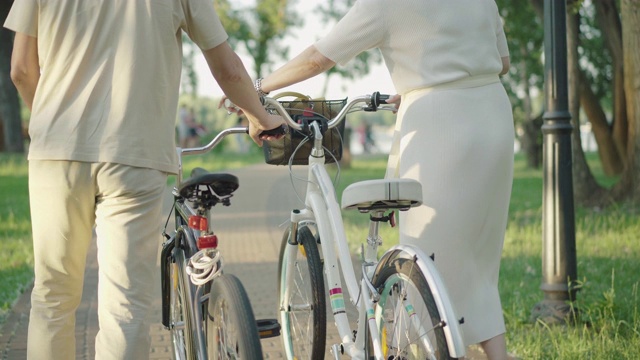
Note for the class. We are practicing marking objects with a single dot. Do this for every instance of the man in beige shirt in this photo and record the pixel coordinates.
(102, 79)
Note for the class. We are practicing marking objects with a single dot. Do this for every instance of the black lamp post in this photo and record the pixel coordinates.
(559, 270)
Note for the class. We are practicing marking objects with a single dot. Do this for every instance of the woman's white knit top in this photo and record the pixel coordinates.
(423, 42)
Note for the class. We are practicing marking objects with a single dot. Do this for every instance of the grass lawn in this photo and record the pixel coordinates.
(607, 242)
(16, 260)
(608, 254)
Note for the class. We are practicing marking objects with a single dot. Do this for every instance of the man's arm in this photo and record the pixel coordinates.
(25, 68)
(231, 75)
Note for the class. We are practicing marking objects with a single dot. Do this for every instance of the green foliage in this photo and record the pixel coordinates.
(190, 78)
(525, 37)
(331, 12)
(207, 113)
(260, 29)
(595, 56)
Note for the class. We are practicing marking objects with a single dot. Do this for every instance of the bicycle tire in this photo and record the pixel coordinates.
(304, 322)
(231, 326)
(396, 281)
(179, 316)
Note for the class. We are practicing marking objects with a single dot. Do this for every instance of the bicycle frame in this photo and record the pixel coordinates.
(181, 245)
(322, 208)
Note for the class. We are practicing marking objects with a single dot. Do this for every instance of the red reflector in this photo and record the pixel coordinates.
(207, 241)
(198, 223)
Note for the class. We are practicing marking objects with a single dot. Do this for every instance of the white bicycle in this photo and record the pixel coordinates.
(403, 307)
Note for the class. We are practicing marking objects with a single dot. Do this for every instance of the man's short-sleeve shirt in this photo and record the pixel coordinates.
(110, 76)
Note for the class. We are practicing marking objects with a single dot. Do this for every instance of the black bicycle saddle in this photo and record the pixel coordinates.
(222, 184)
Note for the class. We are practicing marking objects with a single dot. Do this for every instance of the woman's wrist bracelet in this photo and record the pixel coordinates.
(258, 86)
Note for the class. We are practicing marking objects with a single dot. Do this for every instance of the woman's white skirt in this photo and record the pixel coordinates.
(457, 140)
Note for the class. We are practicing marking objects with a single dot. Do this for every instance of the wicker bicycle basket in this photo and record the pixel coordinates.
(301, 110)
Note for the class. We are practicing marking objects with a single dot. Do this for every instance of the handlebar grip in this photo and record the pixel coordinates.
(382, 98)
(377, 99)
(280, 130)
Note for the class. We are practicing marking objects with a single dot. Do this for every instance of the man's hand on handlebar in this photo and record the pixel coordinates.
(270, 128)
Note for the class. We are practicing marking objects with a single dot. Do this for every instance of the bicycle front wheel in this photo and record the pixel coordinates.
(408, 321)
(301, 297)
(231, 326)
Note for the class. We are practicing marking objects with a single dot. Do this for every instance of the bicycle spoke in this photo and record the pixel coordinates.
(232, 333)
(301, 327)
(304, 319)
(404, 333)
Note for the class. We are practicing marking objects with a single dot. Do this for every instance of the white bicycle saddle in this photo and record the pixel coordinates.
(382, 194)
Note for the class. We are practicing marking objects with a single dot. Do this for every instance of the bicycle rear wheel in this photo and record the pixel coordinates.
(301, 286)
(179, 315)
(231, 326)
(409, 323)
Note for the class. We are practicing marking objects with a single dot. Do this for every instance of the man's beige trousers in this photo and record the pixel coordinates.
(124, 204)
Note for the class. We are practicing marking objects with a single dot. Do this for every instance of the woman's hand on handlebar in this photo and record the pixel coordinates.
(395, 100)
(229, 106)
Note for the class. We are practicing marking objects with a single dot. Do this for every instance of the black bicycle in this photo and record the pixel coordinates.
(207, 312)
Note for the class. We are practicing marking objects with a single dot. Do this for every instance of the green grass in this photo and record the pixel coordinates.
(607, 243)
(608, 254)
(16, 260)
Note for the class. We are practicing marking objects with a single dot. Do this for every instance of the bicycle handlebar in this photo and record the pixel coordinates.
(373, 102)
(214, 142)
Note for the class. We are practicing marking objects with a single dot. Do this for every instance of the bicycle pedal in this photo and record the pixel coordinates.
(268, 328)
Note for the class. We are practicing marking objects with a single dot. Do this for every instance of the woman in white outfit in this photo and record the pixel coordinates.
(454, 134)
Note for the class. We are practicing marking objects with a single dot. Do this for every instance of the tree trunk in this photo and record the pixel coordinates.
(608, 148)
(586, 189)
(10, 121)
(612, 162)
(611, 27)
(630, 10)
(538, 7)
(531, 139)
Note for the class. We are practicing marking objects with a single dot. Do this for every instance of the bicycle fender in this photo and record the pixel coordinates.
(165, 259)
(452, 331)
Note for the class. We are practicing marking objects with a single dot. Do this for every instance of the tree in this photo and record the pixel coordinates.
(586, 188)
(11, 139)
(631, 56)
(606, 68)
(603, 77)
(331, 12)
(189, 81)
(260, 29)
(525, 38)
